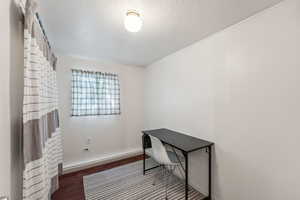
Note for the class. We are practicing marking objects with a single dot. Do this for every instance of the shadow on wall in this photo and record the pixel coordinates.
(16, 88)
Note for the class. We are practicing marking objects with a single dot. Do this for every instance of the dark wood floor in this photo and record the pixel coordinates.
(71, 185)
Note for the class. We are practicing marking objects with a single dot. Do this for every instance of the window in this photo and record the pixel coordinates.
(95, 93)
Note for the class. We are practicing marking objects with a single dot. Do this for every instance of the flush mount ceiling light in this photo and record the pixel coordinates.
(133, 21)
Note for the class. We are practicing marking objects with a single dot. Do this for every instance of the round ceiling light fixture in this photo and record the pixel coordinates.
(133, 21)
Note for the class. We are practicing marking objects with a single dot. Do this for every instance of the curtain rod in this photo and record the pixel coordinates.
(42, 28)
(21, 10)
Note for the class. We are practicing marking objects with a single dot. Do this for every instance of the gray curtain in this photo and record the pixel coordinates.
(42, 138)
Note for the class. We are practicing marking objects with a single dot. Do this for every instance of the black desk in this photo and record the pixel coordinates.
(186, 144)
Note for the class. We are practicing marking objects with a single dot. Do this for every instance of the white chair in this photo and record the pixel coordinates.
(167, 159)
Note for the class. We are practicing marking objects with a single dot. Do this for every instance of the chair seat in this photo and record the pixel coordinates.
(171, 155)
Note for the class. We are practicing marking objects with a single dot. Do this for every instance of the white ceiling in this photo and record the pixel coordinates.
(94, 28)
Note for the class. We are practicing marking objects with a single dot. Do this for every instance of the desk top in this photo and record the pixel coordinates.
(181, 141)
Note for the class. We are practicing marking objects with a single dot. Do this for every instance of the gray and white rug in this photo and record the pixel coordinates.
(128, 183)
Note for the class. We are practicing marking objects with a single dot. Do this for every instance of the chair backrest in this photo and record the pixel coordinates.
(160, 154)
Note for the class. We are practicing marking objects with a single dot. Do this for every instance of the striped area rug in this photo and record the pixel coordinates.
(128, 183)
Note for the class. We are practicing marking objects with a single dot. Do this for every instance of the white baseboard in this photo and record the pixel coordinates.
(198, 188)
(193, 185)
(73, 167)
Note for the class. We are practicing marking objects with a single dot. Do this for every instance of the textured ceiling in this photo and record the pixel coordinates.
(94, 28)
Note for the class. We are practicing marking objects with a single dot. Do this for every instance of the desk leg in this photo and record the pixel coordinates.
(186, 175)
(144, 161)
(209, 173)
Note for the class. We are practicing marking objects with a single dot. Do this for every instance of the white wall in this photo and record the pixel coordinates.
(4, 100)
(11, 80)
(239, 88)
(111, 135)
(16, 100)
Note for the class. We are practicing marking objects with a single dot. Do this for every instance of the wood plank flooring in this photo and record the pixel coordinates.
(71, 185)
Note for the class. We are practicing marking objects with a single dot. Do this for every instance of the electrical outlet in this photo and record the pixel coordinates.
(88, 141)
